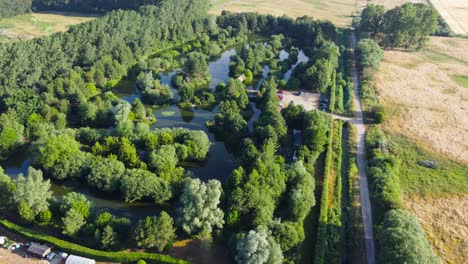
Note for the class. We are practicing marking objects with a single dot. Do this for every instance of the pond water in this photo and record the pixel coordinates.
(218, 165)
(300, 58)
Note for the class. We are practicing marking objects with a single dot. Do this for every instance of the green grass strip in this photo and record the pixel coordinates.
(121, 256)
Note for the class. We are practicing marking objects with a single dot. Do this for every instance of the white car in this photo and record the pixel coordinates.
(51, 256)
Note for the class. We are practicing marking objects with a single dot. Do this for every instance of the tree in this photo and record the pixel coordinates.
(103, 219)
(403, 240)
(33, 191)
(408, 25)
(127, 153)
(195, 66)
(155, 232)
(105, 174)
(145, 80)
(25, 212)
(198, 212)
(257, 248)
(315, 128)
(288, 234)
(164, 159)
(76, 201)
(72, 166)
(72, 222)
(55, 149)
(7, 190)
(371, 19)
(138, 184)
(108, 237)
(301, 194)
(369, 53)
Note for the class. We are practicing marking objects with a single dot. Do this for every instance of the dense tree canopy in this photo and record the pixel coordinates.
(257, 248)
(403, 240)
(406, 26)
(33, 191)
(199, 213)
(9, 8)
(155, 232)
(369, 53)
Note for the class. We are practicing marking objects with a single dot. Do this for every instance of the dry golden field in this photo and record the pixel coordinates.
(338, 11)
(38, 24)
(445, 221)
(455, 13)
(424, 97)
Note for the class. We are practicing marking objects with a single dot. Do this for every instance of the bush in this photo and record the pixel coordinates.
(379, 114)
(121, 256)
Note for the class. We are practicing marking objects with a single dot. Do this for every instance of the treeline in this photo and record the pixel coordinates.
(89, 6)
(31, 198)
(9, 8)
(401, 237)
(406, 26)
(62, 79)
(111, 44)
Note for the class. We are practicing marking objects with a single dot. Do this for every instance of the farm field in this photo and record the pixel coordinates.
(33, 25)
(427, 120)
(389, 4)
(339, 12)
(446, 225)
(438, 119)
(455, 13)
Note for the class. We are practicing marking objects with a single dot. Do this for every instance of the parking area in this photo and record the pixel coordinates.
(310, 101)
(10, 257)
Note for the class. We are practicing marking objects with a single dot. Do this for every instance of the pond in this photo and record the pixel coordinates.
(301, 58)
(218, 165)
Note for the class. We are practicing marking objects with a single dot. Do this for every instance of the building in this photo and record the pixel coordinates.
(39, 250)
(72, 259)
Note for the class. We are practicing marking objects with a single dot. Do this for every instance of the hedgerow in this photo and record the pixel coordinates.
(334, 234)
(320, 245)
(72, 248)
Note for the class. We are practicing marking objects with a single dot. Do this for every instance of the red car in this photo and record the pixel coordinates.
(280, 91)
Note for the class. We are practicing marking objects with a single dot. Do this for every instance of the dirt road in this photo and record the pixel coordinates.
(361, 159)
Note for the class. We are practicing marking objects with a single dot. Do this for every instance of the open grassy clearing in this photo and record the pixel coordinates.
(38, 24)
(455, 13)
(432, 108)
(339, 11)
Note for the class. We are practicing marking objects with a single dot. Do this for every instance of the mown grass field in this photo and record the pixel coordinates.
(33, 25)
(338, 11)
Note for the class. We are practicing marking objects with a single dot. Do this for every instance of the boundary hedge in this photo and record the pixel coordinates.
(73, 248)
(320, 245)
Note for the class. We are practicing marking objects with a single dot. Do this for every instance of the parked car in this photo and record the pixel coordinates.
(280, 91)
(51, 256)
